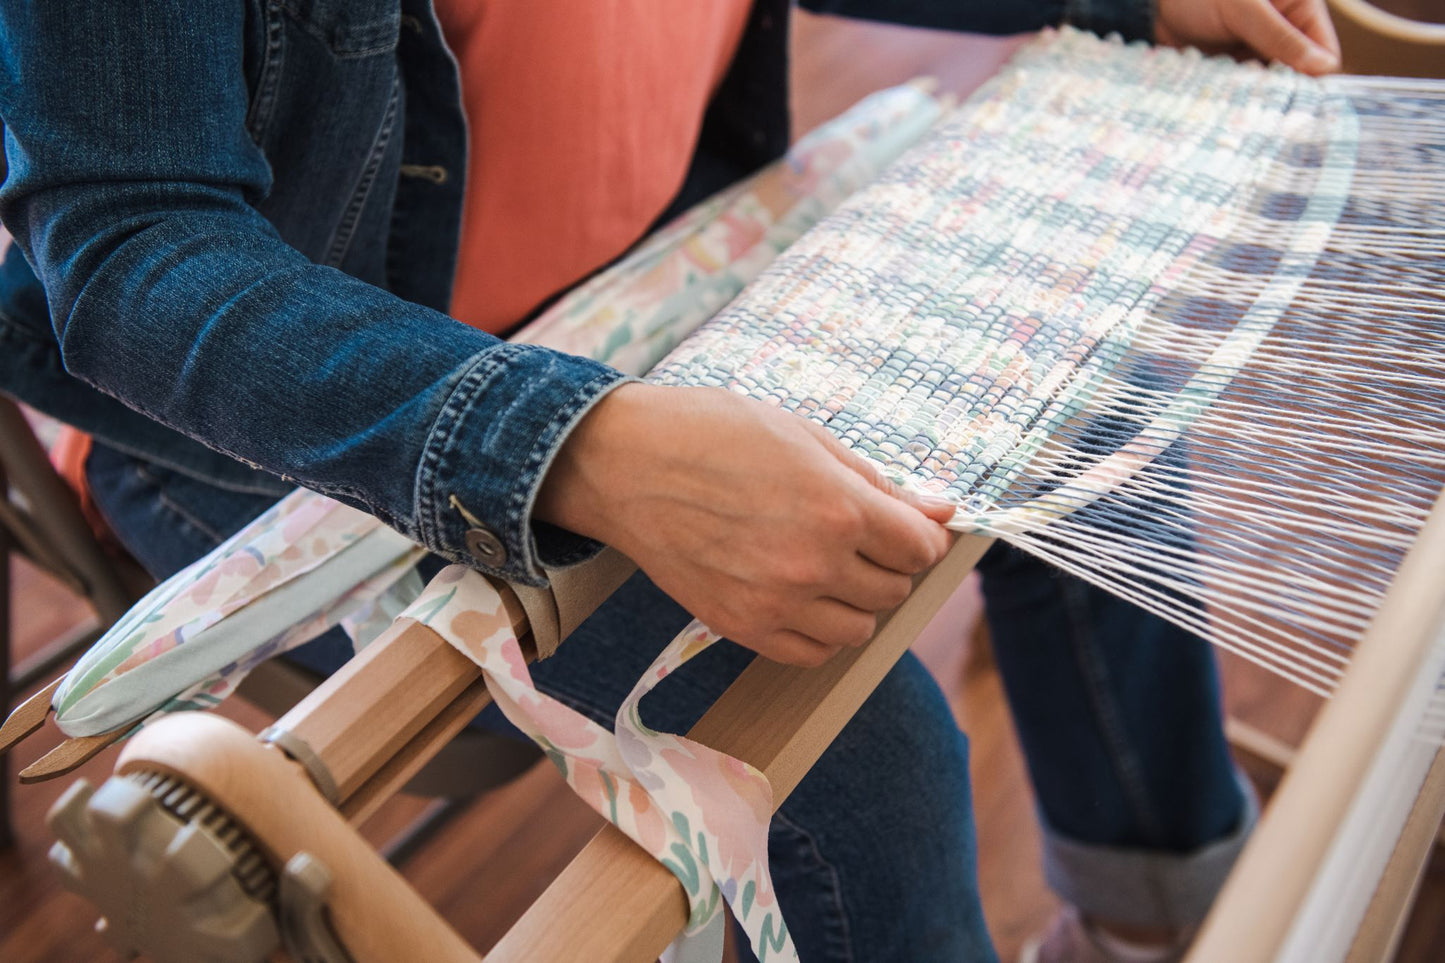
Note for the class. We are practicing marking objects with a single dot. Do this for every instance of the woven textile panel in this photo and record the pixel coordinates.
(1150, 315)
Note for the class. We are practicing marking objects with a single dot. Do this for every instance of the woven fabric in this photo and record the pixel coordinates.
(948, 320)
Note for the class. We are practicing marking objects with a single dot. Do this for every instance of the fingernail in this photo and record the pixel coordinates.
(937, 501)
(1319, 61)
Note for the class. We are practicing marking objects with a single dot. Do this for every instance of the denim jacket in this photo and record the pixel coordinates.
(237, 224)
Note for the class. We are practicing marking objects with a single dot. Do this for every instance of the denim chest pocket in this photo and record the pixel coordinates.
(325, 109)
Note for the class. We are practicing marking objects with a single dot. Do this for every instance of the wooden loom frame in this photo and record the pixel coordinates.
(376, 722)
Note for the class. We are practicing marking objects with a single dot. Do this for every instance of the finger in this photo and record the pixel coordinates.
(1313, 18)
(834, 623)
(936, 507)
(790, 648)
(1269, 34)
(898, 537)
(870, 587)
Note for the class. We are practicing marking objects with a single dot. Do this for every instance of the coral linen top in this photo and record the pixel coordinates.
(582, 122)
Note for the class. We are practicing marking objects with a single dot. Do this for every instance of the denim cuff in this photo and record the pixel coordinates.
(1131, 19)
(1143, 887)
(488, 451)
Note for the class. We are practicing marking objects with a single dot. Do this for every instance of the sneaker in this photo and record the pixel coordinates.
(1069, 939)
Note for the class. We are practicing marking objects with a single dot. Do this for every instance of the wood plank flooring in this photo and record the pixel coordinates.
(487, 866)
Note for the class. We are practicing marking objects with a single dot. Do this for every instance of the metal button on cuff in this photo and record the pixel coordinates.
(486, 547)
(481, 541)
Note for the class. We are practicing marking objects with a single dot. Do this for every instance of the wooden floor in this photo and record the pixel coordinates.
(489, 864)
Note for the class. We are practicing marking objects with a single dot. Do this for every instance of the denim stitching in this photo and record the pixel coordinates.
(540, 458)
(1096, 676)
(346, 230)
(349, 43)
(430, 502)
(522, 564)
(149, 478)
(836, 924)
(264, 104)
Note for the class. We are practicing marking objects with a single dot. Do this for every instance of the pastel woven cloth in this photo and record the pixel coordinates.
(1169, 323)
(953, 319)
(191, 640)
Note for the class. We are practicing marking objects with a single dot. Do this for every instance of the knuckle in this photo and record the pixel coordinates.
(917, 557)
(864, 627)
(802, 571)
(736, 620)
(842, 516)
(767, 611)
(897, 591)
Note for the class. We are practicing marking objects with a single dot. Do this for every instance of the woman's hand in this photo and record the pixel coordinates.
(759, 523)
(1294, 32)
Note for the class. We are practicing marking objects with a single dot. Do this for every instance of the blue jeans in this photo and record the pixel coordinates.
(874, 853)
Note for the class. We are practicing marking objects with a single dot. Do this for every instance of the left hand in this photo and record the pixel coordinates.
(1297, 33)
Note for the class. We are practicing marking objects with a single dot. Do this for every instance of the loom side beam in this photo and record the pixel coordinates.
(1375, 41)
(1269, 886)
(620, 904)
(1384, 924)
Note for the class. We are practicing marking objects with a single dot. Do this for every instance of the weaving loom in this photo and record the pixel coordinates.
(1171, 323)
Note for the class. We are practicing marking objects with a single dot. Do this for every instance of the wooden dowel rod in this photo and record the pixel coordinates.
(614, 903)
(361, 716)
(408, 761)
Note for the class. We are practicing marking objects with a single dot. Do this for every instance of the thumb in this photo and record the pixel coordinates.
(1266, 31)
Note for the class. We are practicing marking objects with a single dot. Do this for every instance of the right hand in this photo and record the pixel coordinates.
(1297, 33)
(758, 522)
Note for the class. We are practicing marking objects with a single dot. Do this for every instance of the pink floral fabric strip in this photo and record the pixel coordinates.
(701, 813)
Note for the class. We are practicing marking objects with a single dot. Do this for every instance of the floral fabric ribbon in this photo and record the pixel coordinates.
(702, 814)
(188, 643)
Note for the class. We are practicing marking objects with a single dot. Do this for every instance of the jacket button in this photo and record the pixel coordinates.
(486, 547)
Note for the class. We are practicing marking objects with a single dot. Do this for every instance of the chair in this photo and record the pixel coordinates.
(40, 518)
(1373, 41)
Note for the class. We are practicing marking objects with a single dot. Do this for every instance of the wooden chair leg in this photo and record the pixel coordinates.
(7, 829)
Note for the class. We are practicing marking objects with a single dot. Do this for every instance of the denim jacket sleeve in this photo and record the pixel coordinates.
(130, 183)
(1134, 19)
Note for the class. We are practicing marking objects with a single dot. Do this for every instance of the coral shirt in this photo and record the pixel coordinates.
(582, 122)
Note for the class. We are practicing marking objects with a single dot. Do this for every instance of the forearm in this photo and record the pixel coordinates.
(182, 303)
